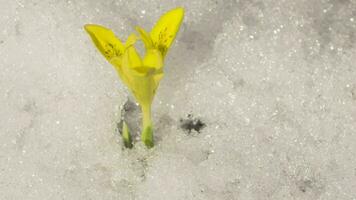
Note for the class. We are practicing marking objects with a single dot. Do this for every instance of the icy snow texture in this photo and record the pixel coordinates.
(274, 82)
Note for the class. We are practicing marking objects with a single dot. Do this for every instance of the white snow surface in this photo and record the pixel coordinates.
(274, 82)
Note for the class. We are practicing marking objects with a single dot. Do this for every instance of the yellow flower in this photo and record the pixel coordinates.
(140, 75)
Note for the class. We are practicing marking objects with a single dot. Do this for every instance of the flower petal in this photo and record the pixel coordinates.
(105, 40)
(165, 30)
(116, 62)
(139, 80)
(157, 78)
(146, 38)
(131, 58)
(131, 40)
(153, 59)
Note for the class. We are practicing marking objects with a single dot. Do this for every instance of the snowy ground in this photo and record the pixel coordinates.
(274, 82)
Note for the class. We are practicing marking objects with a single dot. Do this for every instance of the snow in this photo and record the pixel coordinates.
(272, 82)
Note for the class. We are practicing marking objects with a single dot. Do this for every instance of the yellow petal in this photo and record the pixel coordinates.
(133, 64)
(132, 58)
(157, 78)
(165, 30)
(143, 89)
(153, 59)
(116, 62)
(105, 40)
(146, 38)
(139, 82)
(127, 74)
(131, 40)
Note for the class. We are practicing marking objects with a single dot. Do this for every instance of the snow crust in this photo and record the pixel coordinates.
(272, 82)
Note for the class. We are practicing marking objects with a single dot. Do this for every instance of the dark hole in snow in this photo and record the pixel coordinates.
(305, 185)
(129, 106)
(191, 124)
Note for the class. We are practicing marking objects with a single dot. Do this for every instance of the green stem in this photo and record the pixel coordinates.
(147, 128)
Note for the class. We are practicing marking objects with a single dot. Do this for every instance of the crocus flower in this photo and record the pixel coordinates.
(140, 74)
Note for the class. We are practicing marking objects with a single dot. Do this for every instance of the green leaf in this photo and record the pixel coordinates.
(126, 135)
